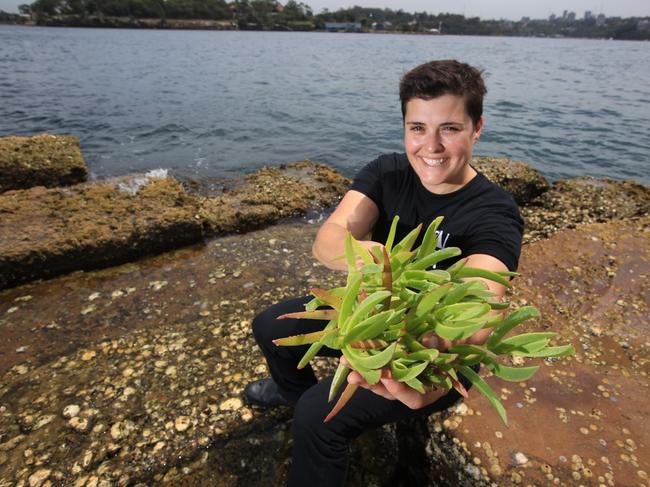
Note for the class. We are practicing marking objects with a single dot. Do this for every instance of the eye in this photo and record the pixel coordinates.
(451, 129)
(417, 129)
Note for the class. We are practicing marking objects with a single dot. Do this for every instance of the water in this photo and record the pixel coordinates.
(204, 103)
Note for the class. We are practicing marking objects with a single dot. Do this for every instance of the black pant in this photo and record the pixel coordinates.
(320, 450)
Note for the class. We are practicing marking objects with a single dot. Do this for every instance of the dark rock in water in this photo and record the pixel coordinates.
(40, 160)
(520, 180)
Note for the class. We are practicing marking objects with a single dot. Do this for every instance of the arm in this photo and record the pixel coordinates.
(394, 390)
(357, 214)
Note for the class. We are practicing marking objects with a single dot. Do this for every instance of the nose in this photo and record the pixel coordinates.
(433, 142)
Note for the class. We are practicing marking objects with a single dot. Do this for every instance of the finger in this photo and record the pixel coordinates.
(430, 340)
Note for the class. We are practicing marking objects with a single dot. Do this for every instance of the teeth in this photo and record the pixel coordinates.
(433, 162)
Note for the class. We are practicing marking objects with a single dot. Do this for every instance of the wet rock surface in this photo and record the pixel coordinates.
(154, 355)
(40, 160)
(140, 374)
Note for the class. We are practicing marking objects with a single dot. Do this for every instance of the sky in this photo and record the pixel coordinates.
(486, 9)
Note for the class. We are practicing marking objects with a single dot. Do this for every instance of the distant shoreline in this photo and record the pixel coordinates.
(109, 22)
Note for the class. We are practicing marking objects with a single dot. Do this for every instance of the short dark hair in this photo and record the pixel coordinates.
(445, 77)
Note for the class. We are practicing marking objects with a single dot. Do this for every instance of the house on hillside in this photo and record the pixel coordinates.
(343, 26)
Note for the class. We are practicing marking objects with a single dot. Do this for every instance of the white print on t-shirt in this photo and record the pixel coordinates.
(442, 242)
(442, 239)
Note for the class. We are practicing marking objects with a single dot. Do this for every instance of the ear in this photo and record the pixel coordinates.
(477, 129)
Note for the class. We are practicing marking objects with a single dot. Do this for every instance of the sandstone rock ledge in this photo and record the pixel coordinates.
(40, 160)
(47, 232)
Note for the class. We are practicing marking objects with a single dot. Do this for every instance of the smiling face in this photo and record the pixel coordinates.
(439, 137)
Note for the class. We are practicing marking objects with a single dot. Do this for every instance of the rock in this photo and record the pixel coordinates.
(46, 232)
(519, 179)
(71, 411)
(519, 458)
(40, 160)
(38, 477)
(122, 429)
(581, 405)
(43, 421)
(182, 423)
(11, 444)
(79, 424)
(232, 404)
(272, 193)
(572, 202)
(88, 355)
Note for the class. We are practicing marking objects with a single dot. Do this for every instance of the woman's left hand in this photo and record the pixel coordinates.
(393, 390)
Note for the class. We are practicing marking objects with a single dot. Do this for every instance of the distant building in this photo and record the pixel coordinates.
(643, 24)
(343, 26)
(552, 17)
(600, 20)
(571, 17)
(525, 20)
(588, 15)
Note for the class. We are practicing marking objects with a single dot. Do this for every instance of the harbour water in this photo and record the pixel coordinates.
(218, 104)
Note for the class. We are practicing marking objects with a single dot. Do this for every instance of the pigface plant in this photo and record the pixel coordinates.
(393, 299)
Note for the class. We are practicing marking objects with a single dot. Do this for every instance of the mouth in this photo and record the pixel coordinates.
(433, 162)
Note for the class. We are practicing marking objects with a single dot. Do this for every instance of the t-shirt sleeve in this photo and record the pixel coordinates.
(368, 181)
(498, 233)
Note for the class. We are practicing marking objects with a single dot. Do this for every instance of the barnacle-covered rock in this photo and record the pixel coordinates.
(519, 179)
(40, 160)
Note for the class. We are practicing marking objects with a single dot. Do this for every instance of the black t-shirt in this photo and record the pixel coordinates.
(479, 218)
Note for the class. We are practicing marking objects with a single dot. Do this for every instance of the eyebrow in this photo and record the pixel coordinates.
(444, 124)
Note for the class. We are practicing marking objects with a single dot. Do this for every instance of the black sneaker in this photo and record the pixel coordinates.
(266, 393)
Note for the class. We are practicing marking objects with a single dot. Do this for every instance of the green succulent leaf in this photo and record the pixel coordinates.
(337, 381)
(430, 239)
(391, 234)
(458, 330)
(515, 318)
(512, 374)
(366, 360)
(435, 257)
(486, 390)
(559, 351)
(485, 274)
(407, 242)
(371, 327)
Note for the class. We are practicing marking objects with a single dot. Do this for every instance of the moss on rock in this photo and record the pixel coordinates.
(40, 160)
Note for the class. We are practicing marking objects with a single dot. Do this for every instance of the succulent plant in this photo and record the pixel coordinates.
(393, 298)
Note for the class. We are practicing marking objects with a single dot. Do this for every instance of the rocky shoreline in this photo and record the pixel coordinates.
(132, 375)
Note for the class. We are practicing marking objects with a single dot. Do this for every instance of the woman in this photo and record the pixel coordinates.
(442, 105)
